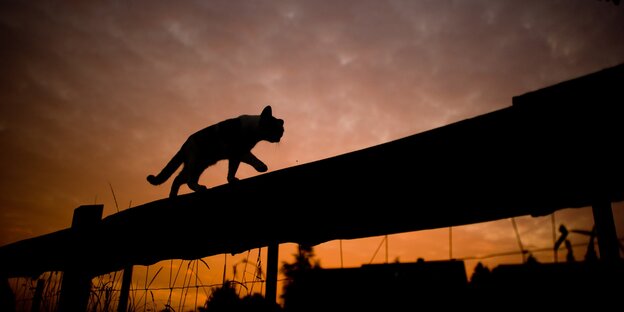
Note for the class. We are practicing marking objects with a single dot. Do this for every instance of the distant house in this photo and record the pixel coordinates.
(382, 287)
(443, 285)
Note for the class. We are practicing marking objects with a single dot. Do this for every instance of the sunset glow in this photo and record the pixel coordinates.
(96, 96)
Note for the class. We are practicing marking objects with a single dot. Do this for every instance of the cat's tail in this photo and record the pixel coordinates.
(169, 169)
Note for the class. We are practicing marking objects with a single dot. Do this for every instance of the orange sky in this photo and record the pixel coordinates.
(92, 94)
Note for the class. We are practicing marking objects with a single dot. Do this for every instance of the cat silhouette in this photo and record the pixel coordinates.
(231, 139)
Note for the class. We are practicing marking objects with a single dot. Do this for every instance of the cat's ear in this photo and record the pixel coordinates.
(267, 112)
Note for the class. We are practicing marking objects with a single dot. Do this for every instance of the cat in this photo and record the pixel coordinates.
(231, 139)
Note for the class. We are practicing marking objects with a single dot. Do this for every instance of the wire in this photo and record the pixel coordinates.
(376, 251)
(513, 222)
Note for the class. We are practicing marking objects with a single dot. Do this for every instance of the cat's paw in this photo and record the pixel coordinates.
(232, 179)
(198, 188)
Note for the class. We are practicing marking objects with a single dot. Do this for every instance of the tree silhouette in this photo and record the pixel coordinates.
(296, 274)
(225, 298)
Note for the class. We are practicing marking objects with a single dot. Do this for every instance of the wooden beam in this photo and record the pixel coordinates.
(124, 294)
(38, 296)
(77, 275)
(271, 275)
(7, 298)
(605, 230)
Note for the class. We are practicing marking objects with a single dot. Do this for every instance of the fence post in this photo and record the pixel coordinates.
(7, 298)
(271, 277)
(605, 230)
(76, 284)
(125, 289)
(36, 302)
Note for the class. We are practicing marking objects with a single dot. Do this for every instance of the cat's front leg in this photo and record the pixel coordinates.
(252, 160)
(232, 168)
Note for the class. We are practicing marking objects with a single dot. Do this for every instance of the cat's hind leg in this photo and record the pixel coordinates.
(194, 185)
(175, 186)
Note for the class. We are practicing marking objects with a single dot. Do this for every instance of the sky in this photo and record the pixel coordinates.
(94, 96)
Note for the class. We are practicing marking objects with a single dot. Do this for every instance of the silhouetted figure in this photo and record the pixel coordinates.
(570, 254)
(564, 234)
(231, 139)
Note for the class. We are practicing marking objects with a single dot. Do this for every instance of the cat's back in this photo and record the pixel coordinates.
(232, 129)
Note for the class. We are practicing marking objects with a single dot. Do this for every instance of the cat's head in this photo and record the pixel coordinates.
(271, 128)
